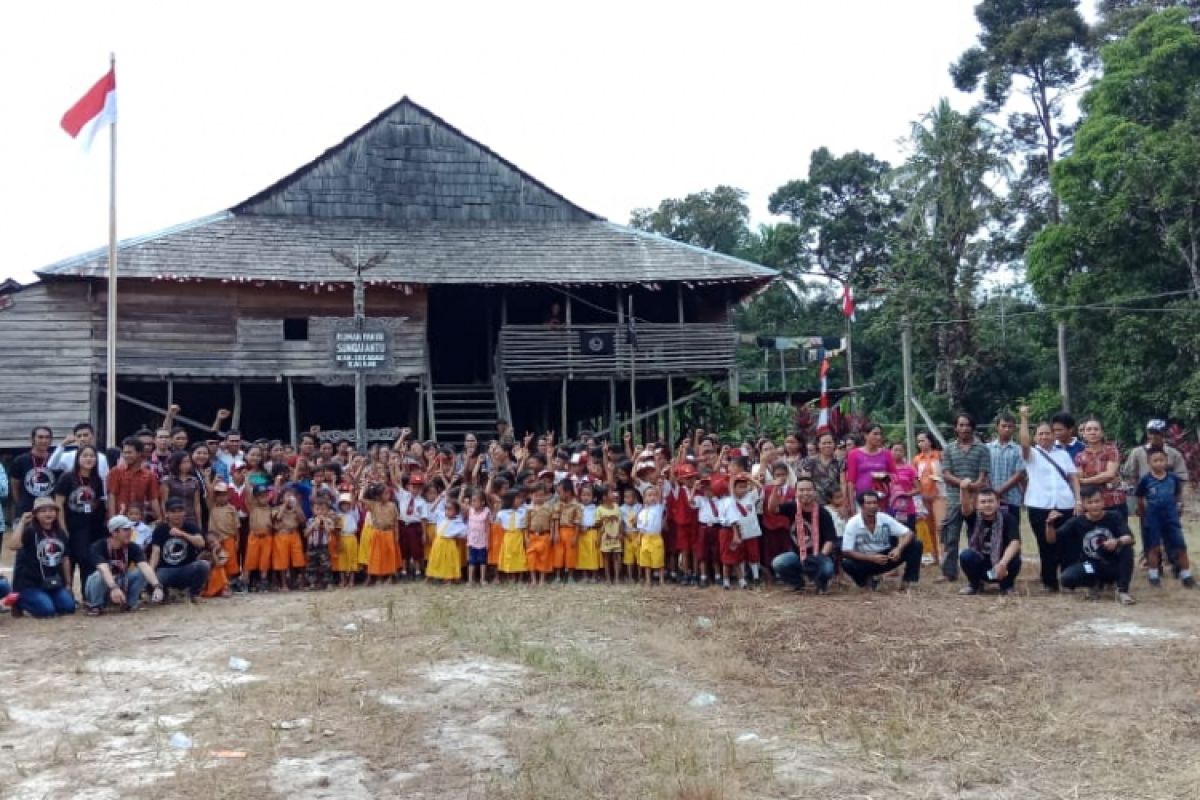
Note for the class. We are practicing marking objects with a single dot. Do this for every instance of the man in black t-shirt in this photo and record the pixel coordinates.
(175, 548)
(121, 571)
(993, 553)
(31, 476)
(815, 540)
(1097, 546)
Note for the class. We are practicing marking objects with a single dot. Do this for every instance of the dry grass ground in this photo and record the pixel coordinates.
(588, 691)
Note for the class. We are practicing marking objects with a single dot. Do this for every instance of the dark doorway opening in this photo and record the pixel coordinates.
(462, 322)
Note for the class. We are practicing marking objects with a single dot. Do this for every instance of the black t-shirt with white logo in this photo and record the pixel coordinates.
(34, 477)
(119, 559)
(84, 505)
(1080, 538)
(175, 551)
(41, 556)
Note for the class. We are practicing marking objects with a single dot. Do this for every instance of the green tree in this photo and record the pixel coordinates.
(1131, 224)
(947, 185)
(841, 215)
(716, 219)
(1038, 43)
(1118, 17)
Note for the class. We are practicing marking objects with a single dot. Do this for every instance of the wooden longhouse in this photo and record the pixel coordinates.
(497, 297)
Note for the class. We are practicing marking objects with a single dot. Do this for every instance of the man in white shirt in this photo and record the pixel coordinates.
(63, 460)
(875, 543)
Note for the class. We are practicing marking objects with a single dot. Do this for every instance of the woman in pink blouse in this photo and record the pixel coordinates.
(869, 468)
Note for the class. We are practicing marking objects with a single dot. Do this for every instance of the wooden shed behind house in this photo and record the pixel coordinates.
(498, 297)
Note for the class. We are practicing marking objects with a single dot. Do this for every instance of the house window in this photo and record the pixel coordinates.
(295, 329)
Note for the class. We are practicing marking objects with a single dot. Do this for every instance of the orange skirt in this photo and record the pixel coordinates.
(383, 559)
(495, 542)
(566, 550)
(538, 553)
(258, 551)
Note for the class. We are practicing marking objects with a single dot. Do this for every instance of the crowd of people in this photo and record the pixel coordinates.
(165, 516)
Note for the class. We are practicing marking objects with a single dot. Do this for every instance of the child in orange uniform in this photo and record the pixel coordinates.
(380, 530)
(538, 536)
(260, 543)
(287, 551)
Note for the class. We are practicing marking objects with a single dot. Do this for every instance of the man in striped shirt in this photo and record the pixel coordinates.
(1008, 471)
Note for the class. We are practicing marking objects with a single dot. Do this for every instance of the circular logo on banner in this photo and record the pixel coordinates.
(595, 344)
(50, 552)
(39, 482)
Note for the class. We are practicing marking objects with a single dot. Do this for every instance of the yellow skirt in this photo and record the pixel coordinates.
(588, 556)
(346, 557)
(364, 545)
(444, 560)
(652, 553)
(928, 538)
(632, 543)
(512, 552)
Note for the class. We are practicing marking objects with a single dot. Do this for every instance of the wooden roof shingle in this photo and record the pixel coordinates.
(228, 246)
(445, 207)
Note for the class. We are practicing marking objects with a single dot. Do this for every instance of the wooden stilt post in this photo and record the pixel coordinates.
(563, 431)
(236, 421)
(612, 408)
(670, 413)
(293, 428)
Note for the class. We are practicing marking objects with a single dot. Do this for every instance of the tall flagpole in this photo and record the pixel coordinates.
(110, 422)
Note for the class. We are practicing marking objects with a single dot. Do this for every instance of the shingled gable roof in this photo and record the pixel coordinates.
(446, 208)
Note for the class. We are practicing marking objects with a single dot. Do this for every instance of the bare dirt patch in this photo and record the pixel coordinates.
(587, 691)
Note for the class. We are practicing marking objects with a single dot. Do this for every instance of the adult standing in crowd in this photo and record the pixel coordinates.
(180, 481)
(79, 496)
(120, 571)
(993, 552)
(132, 482)
(1052, 489)
(966, 466)
(1008, 473)
(1099, 465)
(1137, 465)
(875, 543)
(231, 451)
(825, 468)
(31, 475)
(3, 497)
(869, 468)
(42, 566)
(82, 435)
(1062, 425)
(928, 463)
(175, 551)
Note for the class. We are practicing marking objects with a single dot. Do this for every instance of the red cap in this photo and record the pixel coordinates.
(720, 485)
(685, 471)
(416, 479)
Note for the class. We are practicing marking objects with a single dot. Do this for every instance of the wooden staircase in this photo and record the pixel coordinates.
(464, 408)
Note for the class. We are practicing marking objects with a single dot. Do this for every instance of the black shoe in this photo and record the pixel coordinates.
(1156, 582)
(1189, 582)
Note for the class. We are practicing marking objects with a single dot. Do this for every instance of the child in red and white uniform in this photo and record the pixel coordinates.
(740, 547)
(685, 519)
(705, 549)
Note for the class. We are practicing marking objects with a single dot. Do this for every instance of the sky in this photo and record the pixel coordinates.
(615, 105)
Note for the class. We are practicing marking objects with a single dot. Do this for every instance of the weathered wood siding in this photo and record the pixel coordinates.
(46, 354)
(228, 331)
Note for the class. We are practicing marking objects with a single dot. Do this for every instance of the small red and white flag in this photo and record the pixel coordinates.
(848, 302)
(823, 418)
(95, 110)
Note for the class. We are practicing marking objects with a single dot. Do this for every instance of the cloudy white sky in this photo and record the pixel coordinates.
(614, 104)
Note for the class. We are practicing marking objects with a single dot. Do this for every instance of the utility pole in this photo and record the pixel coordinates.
(1064, 386)
(910, 438)
(360, 317)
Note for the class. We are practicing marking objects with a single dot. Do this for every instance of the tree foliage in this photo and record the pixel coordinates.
(842, 213)
(1131, 227)
(716, 219)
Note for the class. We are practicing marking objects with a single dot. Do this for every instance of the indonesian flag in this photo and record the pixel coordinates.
(848, 302)
(823, 419)
(94, 110)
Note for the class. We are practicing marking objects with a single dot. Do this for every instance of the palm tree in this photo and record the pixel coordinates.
(948, 187)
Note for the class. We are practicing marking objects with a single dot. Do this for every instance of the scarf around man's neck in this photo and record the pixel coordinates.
(976, 542)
